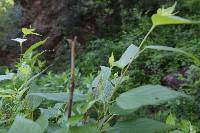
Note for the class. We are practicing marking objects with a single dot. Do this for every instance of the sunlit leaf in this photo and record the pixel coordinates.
(127, 57)
(166, 20)
(30, 31)
(166, 17)
(111, 59)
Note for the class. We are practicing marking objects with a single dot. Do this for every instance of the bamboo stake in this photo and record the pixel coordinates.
(72, 44)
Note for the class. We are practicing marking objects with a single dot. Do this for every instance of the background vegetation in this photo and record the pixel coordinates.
(102, 27)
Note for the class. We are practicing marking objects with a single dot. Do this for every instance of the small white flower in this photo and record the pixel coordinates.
(19, 40)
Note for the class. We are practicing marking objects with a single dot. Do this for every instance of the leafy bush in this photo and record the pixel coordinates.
(107, 106)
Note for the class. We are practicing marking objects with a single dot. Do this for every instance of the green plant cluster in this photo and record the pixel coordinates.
(108, 102)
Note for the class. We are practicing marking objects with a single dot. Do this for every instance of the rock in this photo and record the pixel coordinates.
(173, 80)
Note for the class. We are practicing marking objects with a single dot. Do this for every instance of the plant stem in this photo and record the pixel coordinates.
(72, 44)
(145, 38)
(126, 69)
(110, 118)
(21, 48)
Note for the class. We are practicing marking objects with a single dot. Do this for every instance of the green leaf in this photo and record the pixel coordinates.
(34, 46)
(146, 95)
(43, 122)
(50, 112)
(119, 80)
(128, 56)
(105, 73)
(27, 31)
(59, 97)
(166, 17)
(176, 131)
(22, 125)
(82, 129)
(111, 59)
(35, 99)
(75, 120)
(165, 48)
(171, 119)
(88, 105)
(166, 20)
(3, 131)
(140, 126)
(167, 11)
(116, 110)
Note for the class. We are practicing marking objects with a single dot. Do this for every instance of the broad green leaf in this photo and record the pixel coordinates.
(82, 129)
(165, 48)
(146, 95)
(116, 110)
(3, 131)
(107, 86)
(140, 126)
(54, 128)
(23, 125)
(107, 92)
(128, 56)
(166, 20)
(96, 81)
(34, 46)
(176, 131)
(52, 112)
(35, 99)
(59, 97)
(166, 17)
(43, 121)
(61, 130)
(8, 76)
(105, 73)
(101, 86)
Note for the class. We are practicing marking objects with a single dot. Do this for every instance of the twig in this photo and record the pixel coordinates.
(72, 44)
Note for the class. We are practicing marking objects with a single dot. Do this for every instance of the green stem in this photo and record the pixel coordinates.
(21, 48)
(125, 71)
(145, 38)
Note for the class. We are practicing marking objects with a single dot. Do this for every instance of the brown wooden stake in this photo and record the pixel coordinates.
(72, 44)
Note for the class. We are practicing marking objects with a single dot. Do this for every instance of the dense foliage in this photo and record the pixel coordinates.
(126, 96)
